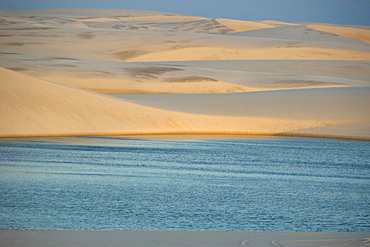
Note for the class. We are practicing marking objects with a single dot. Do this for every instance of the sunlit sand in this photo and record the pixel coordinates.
(124, 72)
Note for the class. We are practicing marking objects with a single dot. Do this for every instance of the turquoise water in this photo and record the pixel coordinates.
(117, 183)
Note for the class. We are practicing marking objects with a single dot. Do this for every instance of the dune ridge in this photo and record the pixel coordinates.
(119, 72)
(217, 53)
(242, 26)
(349, 32)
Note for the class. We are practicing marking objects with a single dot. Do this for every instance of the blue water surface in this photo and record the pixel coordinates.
(121, 183)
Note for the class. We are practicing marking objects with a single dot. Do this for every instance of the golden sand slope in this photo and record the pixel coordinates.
(32, 107)
(16, 20)
(168, 17)
(278, 23)
(35, 107)
(242, 26)
(98, 19)
(219, 53)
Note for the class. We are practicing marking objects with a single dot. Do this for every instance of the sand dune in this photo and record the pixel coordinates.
(303, 35)
(98, 19)
(355, 33)
(340, 111)
(190, 77)
(172, 73)
(109, 41)
(241, 26)
(220, 53)
(32, 107)
(340, 104)
(14, 20)
(278, 23)
(165, 17)
(35, 107)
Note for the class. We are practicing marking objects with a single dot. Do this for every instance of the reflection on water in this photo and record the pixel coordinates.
(123, 183)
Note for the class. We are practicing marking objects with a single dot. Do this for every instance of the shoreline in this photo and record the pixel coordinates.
(200, 135)
(77, 238)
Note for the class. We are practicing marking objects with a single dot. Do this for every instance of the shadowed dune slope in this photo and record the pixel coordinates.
(340, 104)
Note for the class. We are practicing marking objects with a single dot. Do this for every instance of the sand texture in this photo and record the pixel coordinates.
(31, 238)
(118, 72)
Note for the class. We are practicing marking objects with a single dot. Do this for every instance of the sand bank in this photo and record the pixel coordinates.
(30, 238)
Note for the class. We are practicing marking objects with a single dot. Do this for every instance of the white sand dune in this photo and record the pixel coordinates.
(97, 19)
(172, 73)
(14, 20)
(165, 17)
(189, 77)
(345, 110)
(220, 53)
(302, 35)
(111, 43)
(209, 26)
(242, 26)
(32, 107)
(355, 33)
(278, 23)
(339, 104)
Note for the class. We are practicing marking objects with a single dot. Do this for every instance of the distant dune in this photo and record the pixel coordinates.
(105, 72)
(351, 32)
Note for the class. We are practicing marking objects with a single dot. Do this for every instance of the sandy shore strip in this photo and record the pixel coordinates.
(13, 238)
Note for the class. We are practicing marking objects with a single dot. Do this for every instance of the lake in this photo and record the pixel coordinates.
(225, 184)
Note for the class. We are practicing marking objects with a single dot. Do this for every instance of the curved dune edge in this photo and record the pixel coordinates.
(278, 23)
(359, 131)
(10, 19)
(350, 32)
(242, 26)
(169, 17)
(116, 85)
(280, 53)
(34, 107)
(98, 19)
